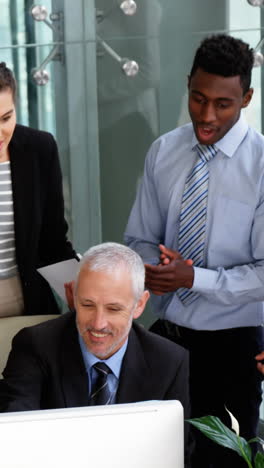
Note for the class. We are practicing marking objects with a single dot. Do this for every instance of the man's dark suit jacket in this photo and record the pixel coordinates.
(40, 227)
(45, 370)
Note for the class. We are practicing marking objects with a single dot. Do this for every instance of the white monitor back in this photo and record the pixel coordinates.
(138, 435)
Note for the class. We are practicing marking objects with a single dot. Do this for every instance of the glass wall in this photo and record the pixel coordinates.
(104, 120)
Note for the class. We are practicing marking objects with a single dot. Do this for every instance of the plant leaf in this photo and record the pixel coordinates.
(214, 429)
(259, 460)
(257, 439)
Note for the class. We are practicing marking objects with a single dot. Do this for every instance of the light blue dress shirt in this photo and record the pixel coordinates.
(231, 287)
(114, 363)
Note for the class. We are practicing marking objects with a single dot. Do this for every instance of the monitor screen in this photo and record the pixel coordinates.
(137, 435)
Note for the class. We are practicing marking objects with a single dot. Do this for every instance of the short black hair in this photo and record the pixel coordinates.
(7, 80)
(224, 55)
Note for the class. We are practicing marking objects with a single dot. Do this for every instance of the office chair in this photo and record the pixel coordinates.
(9, 326)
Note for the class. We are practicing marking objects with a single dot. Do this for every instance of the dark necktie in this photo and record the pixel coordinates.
(193, 214)
(101, 394)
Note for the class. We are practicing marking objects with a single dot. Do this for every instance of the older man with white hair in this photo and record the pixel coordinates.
(96, 354)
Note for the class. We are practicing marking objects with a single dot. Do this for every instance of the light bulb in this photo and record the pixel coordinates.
(130, 67)
(39, 12)
(258, 59)
(256, 2)
(41, 77)
(129, 7)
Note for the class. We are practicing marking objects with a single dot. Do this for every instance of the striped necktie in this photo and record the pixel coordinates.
(101, 394)
(193, 215)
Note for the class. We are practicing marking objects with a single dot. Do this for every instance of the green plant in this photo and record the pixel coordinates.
(214, 429)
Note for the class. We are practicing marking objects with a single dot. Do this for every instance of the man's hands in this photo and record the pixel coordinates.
(167, 255)
(172, 273)
(260, 365)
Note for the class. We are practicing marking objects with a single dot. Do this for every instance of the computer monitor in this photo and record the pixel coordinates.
(137, 435)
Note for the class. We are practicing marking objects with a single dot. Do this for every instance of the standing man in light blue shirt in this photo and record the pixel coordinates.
(222, 324)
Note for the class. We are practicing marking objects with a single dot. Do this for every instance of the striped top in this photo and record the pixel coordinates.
(8, 266)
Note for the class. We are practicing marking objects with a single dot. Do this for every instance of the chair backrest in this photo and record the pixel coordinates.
(9, 326)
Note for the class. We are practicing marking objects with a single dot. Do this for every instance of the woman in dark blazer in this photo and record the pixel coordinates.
(31, 205)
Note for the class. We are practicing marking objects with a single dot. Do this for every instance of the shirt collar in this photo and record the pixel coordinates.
(114, 362)
(231, 140)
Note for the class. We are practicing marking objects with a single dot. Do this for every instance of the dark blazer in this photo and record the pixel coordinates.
(40, 227)
(45, 369)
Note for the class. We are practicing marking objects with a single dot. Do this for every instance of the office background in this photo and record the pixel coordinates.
(103, 119)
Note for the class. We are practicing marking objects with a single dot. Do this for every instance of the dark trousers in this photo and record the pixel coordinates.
(223, 374)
